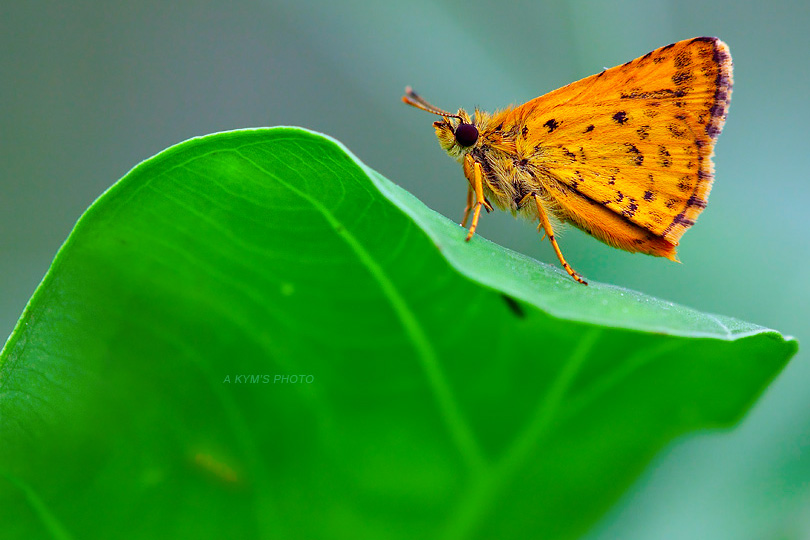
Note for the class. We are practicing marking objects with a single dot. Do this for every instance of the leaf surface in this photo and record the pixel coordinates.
(252, 334)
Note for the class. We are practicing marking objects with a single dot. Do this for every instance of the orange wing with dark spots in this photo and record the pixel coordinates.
(635, 140)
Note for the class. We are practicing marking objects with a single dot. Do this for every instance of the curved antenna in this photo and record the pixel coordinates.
(415, 100)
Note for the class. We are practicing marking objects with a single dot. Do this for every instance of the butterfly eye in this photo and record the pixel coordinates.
(466, 134)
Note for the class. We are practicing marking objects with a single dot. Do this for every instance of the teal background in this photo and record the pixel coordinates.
(89, 89)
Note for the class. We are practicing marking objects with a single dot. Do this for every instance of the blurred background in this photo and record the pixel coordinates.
(88, 89)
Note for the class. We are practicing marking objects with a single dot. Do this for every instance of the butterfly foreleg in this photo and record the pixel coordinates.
(545, 225)
(468, 207)
(474, 174)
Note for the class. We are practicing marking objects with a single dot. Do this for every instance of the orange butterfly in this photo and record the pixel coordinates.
(625, 155)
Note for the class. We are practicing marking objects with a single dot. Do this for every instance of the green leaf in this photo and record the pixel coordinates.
(254, 335)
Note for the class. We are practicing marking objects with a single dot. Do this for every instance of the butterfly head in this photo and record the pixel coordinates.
(456, 132)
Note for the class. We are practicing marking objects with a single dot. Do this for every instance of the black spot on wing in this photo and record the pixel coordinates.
(696, 201)
(638, 157)
(664, 156)
(682, 77)
(683, 59)
(643, 132)
(620, 118)
(630, 211)
(652, 94)
(683, 220)
(676, 131)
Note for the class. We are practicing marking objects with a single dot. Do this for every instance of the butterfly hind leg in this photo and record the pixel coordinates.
(545, 225)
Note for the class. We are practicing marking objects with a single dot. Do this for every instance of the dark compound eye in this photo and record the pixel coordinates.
(466, 134)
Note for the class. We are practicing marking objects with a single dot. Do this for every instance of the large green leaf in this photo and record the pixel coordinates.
(253, 335)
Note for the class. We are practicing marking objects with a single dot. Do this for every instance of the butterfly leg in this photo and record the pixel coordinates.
(545, 224)
(473, 169)
(487, 205)
(468, 207)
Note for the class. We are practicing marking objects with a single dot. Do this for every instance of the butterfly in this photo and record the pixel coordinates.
(624, 155)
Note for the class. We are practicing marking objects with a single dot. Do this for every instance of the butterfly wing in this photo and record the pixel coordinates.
(635, 140)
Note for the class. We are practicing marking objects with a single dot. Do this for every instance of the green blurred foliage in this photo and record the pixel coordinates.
(90, 88)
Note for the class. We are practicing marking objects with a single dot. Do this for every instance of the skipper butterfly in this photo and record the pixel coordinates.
(624, 155)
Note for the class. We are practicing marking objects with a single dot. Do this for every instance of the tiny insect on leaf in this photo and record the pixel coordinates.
(624, 155)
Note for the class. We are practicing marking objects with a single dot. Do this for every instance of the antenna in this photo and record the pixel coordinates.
(415, 100)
